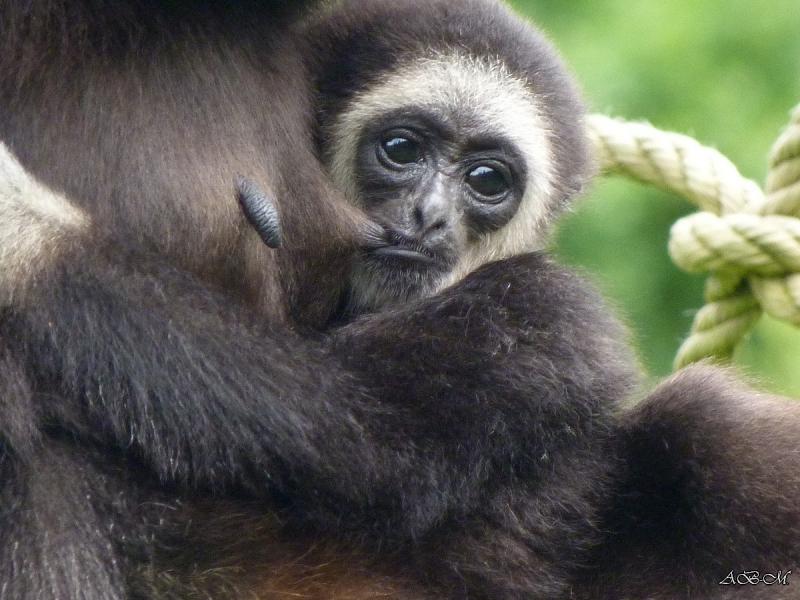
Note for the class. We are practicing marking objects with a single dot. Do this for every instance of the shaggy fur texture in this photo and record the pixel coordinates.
(170, 426)
(149, 341)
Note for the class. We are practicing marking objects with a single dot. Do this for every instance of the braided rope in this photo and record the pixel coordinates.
(747, 239)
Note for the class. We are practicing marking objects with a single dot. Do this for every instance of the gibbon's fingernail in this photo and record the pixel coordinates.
(372, 235)
(260, 211)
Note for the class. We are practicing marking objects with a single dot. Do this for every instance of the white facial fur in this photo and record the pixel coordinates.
(481, 88)
(35, 222)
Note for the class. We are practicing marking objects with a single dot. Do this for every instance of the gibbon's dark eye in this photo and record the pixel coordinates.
(488, 181)
(401, 150)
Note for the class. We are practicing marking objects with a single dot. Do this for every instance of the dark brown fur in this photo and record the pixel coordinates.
(164, 430)
(152, 110)
(710, 484)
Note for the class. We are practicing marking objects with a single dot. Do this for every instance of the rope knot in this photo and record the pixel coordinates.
(746, 238)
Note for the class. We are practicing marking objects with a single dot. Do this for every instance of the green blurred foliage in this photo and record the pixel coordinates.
(724, 71)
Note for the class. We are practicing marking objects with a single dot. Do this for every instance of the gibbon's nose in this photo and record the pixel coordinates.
(432, 213)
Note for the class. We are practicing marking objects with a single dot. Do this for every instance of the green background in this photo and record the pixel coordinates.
(724, 71)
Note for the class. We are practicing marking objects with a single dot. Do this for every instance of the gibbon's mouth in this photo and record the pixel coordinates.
(404, 253)
(396, 246)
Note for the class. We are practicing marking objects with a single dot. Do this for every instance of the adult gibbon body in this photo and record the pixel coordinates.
(444, 151)
(156, 354)
(162, 392)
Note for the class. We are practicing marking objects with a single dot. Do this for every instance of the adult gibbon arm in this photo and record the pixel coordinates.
(185, 380)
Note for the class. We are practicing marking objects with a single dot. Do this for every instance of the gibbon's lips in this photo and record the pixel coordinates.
(404, 252)
(397, 245)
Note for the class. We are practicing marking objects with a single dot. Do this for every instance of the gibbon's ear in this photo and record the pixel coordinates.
(260, 211)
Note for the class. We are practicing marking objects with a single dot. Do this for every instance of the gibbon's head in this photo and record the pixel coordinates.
(455, 126)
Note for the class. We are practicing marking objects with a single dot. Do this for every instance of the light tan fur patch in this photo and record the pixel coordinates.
(34, 224)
